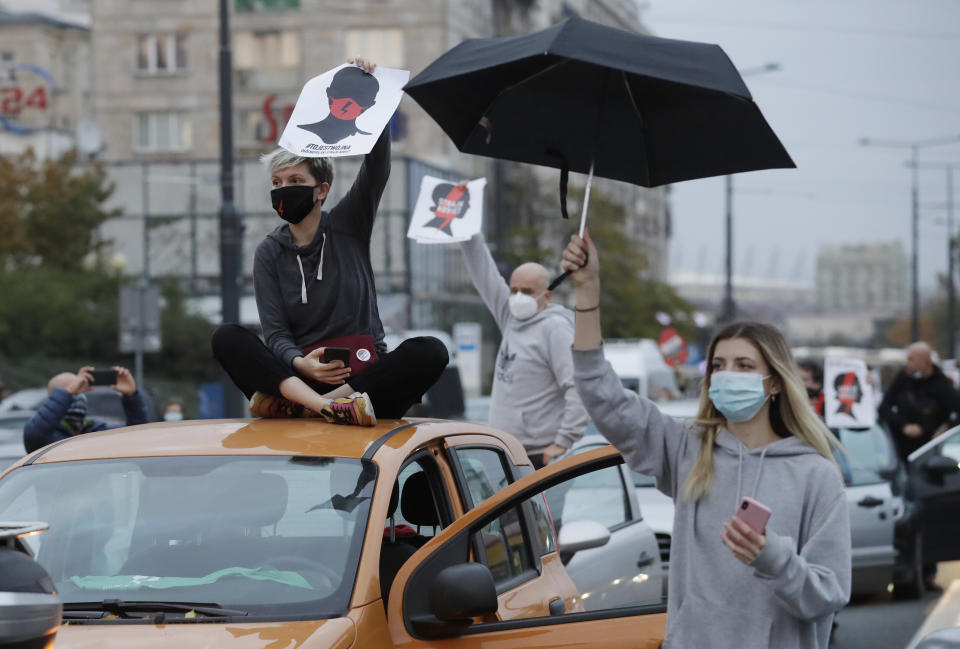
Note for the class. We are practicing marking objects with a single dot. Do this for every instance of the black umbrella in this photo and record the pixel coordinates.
(584, 97)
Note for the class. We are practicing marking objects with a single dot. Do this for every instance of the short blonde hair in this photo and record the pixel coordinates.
(320, 168)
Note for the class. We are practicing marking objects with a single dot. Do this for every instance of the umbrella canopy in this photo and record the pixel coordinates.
(641, 109)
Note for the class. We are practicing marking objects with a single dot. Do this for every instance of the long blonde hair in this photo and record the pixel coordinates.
(790, 414)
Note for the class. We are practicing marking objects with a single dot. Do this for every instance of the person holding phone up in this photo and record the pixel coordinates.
(64, 412)
(315, 290)
(754, 436)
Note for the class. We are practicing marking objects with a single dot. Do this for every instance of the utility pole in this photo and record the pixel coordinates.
(231, 227)
(914, 146)
(728, 308)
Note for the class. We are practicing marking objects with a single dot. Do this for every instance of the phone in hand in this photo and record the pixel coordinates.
(337, 354)
(753, 514)
(103, 377)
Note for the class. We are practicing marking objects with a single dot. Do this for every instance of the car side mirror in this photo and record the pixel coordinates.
(938, 466)
(580, 535)
(458, 594)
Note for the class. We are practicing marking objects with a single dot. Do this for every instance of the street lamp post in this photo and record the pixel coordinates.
(914, 147)
(231, 227)
(728, 308)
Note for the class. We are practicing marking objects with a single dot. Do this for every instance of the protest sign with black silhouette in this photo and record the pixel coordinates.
(848, 395)
(445, 212)
(343, 111)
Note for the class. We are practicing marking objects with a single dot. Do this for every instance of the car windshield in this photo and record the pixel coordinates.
(272, 536)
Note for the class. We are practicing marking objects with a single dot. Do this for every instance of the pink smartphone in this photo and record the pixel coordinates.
(753, 514)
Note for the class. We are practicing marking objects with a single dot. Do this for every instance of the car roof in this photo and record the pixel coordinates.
(285, 437)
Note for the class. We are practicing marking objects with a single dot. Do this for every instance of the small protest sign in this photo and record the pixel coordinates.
(673, 347)
(343, 111)
(445, 212)
(848, 395)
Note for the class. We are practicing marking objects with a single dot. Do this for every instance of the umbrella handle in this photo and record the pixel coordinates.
(559, 279)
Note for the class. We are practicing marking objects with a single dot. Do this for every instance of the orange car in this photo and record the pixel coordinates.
(296, 533)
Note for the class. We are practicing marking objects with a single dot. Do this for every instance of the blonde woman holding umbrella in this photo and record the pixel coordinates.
(755, 436)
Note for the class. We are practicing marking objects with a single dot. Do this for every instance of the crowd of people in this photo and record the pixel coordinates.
(759, 432)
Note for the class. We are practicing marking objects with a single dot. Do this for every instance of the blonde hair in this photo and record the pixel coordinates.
(790, 414)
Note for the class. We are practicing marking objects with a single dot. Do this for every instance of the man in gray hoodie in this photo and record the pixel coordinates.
(534, 396)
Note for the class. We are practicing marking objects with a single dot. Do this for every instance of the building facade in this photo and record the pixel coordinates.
(154, 91)
(863, 278)
(45, 85)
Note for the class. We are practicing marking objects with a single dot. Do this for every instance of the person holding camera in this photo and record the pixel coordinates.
(323, 353)
(63, 413)
(761, 531)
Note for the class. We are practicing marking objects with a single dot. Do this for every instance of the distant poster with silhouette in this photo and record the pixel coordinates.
(848, 394)
(343, 111)
(445, 212)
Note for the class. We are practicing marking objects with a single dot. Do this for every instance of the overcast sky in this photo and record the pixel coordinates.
(884, 69)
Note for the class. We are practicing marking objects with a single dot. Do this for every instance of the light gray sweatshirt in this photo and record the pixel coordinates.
(533, 394)
(787, 597)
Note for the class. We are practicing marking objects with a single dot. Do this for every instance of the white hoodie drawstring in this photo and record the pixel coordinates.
(323, 244)
(756, 481)
(303, 282)
(303, 278)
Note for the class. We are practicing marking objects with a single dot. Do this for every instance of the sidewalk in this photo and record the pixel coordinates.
(946, 612)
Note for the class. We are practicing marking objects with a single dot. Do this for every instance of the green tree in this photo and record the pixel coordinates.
(50, 210)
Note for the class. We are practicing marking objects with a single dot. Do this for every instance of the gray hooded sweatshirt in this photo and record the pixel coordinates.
(326, 288)
(533, 394)
(786, 598)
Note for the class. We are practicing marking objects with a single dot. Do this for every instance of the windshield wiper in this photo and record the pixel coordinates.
(128, 610)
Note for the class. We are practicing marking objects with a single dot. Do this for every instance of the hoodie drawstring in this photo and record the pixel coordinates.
(323, 245)
(303, 278)
(756, 481)
(303, 282)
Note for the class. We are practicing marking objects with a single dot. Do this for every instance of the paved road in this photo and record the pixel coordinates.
(885, 623)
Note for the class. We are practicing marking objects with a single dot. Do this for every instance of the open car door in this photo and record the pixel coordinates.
(933, 472)
(455, 591)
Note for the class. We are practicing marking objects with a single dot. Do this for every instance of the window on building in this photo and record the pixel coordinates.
(161, 53)
(161, 131)
(269, 50)
(385, 46)
(269, 5)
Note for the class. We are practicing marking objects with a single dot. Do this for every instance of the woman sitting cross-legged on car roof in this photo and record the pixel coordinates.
(732, 584)
(315, 291)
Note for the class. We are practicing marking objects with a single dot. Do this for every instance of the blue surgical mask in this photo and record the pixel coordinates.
(917, 375)
(737, 395)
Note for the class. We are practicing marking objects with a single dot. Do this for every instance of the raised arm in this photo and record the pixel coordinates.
(486, 278)
(650, 442)
(357, 209)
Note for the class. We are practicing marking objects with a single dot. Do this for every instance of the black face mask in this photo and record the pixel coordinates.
(293, 202)
(813, 393)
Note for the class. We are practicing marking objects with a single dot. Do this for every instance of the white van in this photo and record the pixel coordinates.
(640, 366)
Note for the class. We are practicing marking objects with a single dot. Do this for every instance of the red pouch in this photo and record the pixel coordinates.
(362, 351)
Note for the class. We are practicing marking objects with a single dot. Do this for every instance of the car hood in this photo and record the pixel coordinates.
(338, 633)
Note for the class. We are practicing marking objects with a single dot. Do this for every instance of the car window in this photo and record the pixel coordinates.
(599, 496)
(484, 472)
(430, 505)
(868, 451)
(951, 447)
(507, 547)
(267, 535)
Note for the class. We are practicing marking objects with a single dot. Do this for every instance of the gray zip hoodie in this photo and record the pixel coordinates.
(786, 598)
(533, 394)
(326, 288)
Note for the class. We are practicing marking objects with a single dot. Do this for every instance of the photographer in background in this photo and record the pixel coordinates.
(64, 412)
